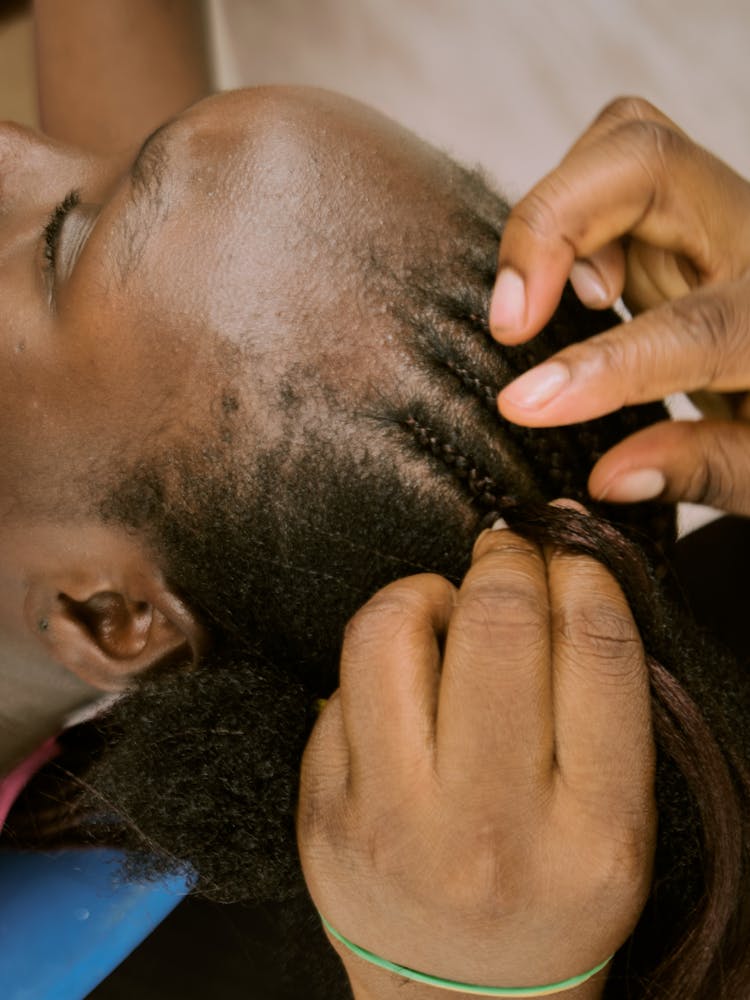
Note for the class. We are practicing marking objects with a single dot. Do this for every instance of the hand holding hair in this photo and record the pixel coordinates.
(477, 798)
(638, 209)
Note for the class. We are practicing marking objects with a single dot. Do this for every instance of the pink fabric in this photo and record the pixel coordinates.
(12, 784)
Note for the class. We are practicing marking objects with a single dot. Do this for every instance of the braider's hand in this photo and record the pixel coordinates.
(476, 799)
(636, 208)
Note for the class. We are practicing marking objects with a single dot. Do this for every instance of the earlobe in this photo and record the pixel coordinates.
(107, 637)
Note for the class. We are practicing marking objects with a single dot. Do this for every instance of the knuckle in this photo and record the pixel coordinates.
(656, 143)
(390, 844)
(605, 632)
(319, 798)
(502, 609)
(505, 543)
(621, 863)
(712, 480)
(626, 361)
(625, 108)
(655, 147)
(536, 212)
(318, 817)
(611, 354)
(314, 823)
(707, 325)
(619, 844)
(388, 614)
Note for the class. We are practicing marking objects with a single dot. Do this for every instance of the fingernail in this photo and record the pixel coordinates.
(483, 538)
(508, 309)
(536, 388)
(588, 285)
(640, 484)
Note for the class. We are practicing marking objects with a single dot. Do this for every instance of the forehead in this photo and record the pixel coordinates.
(247, 193)
(245, 226)
(250, 220)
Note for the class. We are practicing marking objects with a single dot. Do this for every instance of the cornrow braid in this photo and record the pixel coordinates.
(450, 327)
(480, 486)
(487, 394)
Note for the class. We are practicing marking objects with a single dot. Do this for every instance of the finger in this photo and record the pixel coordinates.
(494, 729)
(604, 278)
(697, 342)
(389, 678)
(603, 744)
(599, 279)
(704, 462)
(643, 178)
(621, 111)
(654, 276)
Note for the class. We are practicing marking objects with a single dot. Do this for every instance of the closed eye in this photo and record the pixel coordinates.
(51, 232)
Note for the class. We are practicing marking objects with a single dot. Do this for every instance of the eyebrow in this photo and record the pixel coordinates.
(147, 204)
(146, 167)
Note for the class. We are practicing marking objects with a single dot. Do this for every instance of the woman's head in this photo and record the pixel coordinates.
(159, 315)
(275, 267)
(318, 420)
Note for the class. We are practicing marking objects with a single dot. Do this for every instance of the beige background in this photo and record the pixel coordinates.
(16, 74)
(508, 83)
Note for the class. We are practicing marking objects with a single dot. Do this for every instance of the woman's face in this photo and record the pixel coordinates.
(111, 282)
(107, 278)
(116, 286)
(110, 279)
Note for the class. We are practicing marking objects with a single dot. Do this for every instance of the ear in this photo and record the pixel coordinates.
(108, 628)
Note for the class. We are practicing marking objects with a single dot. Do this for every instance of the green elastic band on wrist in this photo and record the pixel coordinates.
(447, 984)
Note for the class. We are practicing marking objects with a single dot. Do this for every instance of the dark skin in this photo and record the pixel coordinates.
(93, 93)
(120, 357)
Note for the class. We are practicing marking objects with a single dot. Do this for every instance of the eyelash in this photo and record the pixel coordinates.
(53, 228)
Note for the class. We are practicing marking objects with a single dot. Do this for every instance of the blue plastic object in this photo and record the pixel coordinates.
(68, 919)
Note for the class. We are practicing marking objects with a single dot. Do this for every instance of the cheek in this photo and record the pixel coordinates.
(14, 571)
(30, 379)
(33, 437)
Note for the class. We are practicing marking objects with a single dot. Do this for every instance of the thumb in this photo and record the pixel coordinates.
(706, 461)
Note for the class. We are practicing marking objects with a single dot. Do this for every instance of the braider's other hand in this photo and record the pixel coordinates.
(638, 209)
(477, 799)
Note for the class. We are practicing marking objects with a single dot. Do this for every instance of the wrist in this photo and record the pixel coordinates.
(367, 970)
(369, 983)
